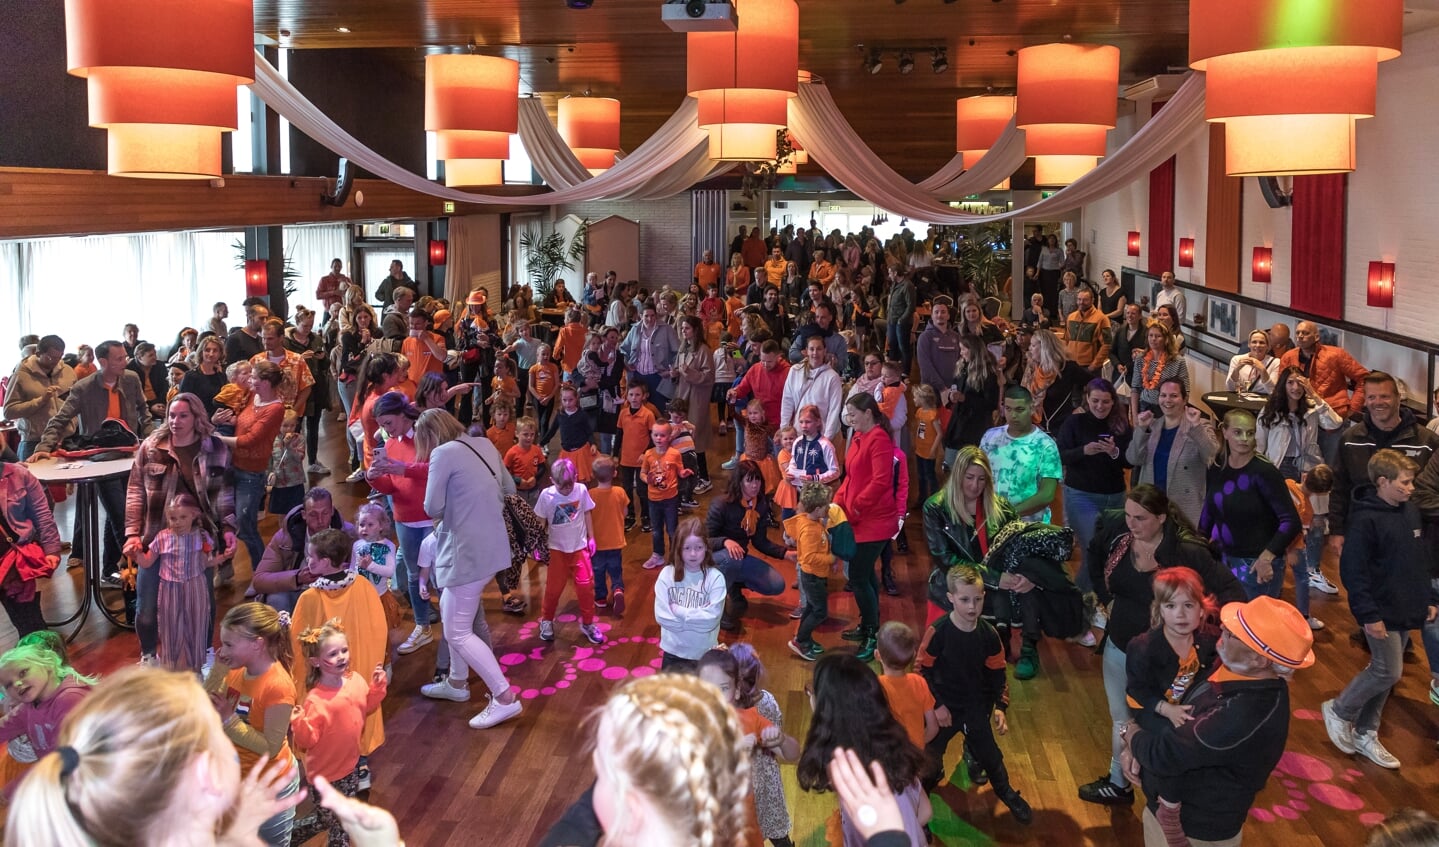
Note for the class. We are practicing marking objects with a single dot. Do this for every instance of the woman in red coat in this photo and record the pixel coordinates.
(867, 497)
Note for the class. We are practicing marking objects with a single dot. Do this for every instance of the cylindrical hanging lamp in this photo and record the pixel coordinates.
(978, 122)
(477, 144)
(736, 142)
(1288, 89)
(472, 105)
(744, 79)
(163, 94)
(1066, 104)
(591, 127)
(464, 173)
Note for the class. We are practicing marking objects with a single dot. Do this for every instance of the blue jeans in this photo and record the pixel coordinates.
(1243, 570)
(1116, 677)
(897, 333)
(1362, 700)
(749, 572)
(608, 567)
(147, 604)
(815, 608)
(249, 490)
(1081, 510)
(275, 832)
(26, 448)
(664, 517)
(407, 574)
(1430, 633)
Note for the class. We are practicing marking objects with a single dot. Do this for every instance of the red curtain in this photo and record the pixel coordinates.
(1161, 218)
(1317, 261)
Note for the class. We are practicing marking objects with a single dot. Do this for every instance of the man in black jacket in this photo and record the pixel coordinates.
(1213, 766)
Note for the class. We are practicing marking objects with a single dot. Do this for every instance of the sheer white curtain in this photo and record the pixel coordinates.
(86, 289)
(309, 250)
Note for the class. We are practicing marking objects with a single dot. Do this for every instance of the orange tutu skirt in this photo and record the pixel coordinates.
(786, 496)
(769, 469)
(584, 460)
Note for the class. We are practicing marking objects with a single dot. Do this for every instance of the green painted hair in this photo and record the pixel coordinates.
(36, 655)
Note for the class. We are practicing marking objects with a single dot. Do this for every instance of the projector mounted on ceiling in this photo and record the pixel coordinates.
(699, 16)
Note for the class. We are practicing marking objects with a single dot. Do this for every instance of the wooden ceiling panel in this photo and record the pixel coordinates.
(620, 48)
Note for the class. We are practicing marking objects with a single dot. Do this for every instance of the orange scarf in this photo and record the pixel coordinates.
(750, 522)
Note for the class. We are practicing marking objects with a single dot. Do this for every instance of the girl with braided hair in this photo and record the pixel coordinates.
(671, 765)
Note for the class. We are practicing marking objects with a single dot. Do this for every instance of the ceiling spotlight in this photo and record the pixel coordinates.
(579, 4)
(906, 62)
(940, 62)
(873, 64)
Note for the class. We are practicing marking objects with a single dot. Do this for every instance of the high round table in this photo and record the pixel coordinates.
(1223, 402)
(86, 476)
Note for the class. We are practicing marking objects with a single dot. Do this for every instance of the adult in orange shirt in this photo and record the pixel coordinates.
(251, 447)
(821, 270)
(1330, 371)
(297, 380)
(424, 349)
(738, 275)
(774, 268)
(708, 271)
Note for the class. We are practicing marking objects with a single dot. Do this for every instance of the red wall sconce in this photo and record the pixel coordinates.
(1263, 264)
(257, 277)
(1133, 242)
(438, 250)
(1186, 252)
(1381, 284)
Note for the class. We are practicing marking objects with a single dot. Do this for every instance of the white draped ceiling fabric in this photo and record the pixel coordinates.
(817, 123)
(668, 162)
(677, 156)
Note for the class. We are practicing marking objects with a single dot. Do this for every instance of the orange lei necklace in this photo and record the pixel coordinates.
(1151, 381)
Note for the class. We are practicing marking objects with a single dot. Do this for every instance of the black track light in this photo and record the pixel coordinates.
(940, 62)
(906, 62)
(874, 64)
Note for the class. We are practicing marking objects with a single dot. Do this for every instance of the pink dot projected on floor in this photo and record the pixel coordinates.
(657, 663)
(537, 654)
(548, 690)
(568, 617)
(642, 672)
(570, 677)
(1299, 805)
(1336, 797)
(1371, 818)
(512, 659)
(1261, 815)
(1307, 715)
(1289, 783)
(583, 653)
(1354, 772)
(1304, 766)
(653, 640)
(1349, 777)
(1286, 813)
(1296, 795)
(591, 665)
(614, 672)
(529, 694)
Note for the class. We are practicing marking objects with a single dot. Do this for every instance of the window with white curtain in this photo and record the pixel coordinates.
(86, 289)
(309, 251)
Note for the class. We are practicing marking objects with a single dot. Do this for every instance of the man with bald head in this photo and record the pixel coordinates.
(1279, 340)
(1331, 371)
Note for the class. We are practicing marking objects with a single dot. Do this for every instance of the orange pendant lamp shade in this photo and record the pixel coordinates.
(472, 105)
(737, 142)
(591, 127)
(743, 106)
(1289, 79)
(464, 173)
(477, 144)
(1067, 102)
(978, 124)
(763, 53)
(163, 95)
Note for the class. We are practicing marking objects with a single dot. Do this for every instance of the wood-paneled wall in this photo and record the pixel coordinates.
(36, 203)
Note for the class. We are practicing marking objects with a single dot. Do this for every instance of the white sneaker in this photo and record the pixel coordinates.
(149, 660)
(495, 713)
(731, 464)
(209, 663)
(1087, 639)
(1099, 620)
(1367, 743)
(1319, 582)
(357, 476)
(419, 637)
(1341, 732)
(703, 486)
(593, 633)
(443, 690)
(547, 630)
(654, 561)
(318, 469)
(1315, 623)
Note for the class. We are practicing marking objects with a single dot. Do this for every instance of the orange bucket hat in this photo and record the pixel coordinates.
(1272, 628)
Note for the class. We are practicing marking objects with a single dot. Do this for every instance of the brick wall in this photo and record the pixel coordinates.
(664, 235)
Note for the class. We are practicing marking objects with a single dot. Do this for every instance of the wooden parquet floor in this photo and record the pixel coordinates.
(451, 785)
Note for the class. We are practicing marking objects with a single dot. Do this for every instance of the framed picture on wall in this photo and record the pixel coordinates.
(1331, 336)
(1224, 319)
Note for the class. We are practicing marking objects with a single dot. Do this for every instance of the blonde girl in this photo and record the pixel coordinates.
(254, 695)
(373, 556)
(566, 507)
(143, 760)
(287, 467)
(182, 551)
(689, 598)
(40, 690)
(327, 727)
(786, 495)
(758, 445)
(671, 765)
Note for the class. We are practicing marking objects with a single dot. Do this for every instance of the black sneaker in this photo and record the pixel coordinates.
(977, 776)
(890, 586)
(859, 633)
(1018, 806)
(645, 527)
(1106, 793)
(629, 526)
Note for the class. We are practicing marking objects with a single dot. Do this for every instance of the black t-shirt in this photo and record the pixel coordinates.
(204, 386)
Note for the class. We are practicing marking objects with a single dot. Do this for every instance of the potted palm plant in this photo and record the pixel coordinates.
(547, 256)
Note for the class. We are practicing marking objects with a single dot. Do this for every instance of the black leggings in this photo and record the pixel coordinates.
(974, 722)
(24, 614)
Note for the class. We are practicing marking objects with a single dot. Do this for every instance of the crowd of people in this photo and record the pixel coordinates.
(842, 370)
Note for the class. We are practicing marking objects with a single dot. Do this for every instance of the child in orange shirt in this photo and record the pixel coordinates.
(736, 672)
(786, 494)
(544, 382)
(926, 439)
(502, 433)
(757, 434)
(684, 442)
(504, 390)
(608, 520)
(661, 468)
(909, 696)
(636, 420)
(712, 308)
(326, 728)
(735, 304)
(891, 396)
(526, 461)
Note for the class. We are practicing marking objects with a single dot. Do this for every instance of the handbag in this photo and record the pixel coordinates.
(26, 560)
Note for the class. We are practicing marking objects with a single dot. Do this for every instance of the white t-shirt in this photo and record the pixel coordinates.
(566, 517)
